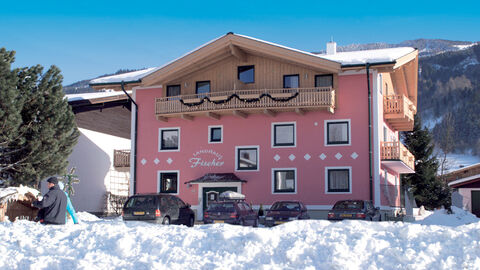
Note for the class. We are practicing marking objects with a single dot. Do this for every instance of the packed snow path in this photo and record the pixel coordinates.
(113, 244)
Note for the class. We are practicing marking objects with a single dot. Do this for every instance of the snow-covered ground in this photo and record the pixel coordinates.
(314, 244)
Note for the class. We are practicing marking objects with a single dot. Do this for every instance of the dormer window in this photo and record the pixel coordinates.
(246, 74)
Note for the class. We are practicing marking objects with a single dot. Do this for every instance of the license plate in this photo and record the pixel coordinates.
(346, 215)
(279, 222)
(139, 213)
(218, 221)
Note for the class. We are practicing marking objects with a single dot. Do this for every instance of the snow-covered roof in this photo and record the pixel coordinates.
(126, 77)
(90, 96)
(368, 56)
(344, 58)
(14, 193)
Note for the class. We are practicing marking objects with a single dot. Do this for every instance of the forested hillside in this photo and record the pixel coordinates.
(449, 85)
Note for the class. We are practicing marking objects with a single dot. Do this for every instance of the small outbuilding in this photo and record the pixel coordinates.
(15, 203)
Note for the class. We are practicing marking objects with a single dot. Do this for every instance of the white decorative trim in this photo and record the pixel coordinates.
(377, 119)
(325, 137)
(349, 180)
(273, 181)
(272, 137)
(160, 139)
(292, 157)
(132, 145)
(276, 157)
(322, 156)
(258, 157)
(210, 133)
(178, 181)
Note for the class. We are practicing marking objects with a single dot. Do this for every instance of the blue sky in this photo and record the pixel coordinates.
(86, 38)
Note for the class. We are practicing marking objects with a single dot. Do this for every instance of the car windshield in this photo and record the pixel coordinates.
(145, 201)
(286, 206)
(349, 205)
(221, 207)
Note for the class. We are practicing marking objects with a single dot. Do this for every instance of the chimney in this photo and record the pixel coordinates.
(331, 47)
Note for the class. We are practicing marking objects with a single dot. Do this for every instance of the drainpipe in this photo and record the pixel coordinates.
(135, 140)
(370, 152)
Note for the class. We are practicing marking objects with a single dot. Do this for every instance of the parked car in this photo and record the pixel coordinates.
(354, 209)
(232, 212)
(284, 211)
(158, 208)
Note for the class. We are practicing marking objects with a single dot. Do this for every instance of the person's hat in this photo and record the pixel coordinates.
(53, 180)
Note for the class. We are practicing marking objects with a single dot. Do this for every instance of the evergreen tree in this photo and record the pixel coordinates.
(48, 131)
(427, 188)
(10, 115)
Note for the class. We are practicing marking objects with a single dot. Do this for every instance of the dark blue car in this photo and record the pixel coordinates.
(284, 211)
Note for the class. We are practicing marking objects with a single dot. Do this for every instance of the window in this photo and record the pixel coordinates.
(168, 182)
(247, 158)
(284, 181)
(385, 138)
(246, 74)
(203, 87)
(290, 81)
(283, 134)
(169, 139)
(324, 80)
(173, 90)
(338, 180)
(215, 134)
(337, 132)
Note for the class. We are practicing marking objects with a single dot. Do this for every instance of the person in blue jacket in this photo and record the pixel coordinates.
(70, 208)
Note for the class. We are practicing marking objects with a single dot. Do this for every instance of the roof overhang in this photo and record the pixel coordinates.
(217, 178)
(464, 182)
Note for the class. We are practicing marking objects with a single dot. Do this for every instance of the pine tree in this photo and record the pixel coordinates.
(48, 131)
(10, 115)
(427, 188)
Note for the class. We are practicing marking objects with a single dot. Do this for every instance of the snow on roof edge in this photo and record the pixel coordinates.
(138, 76)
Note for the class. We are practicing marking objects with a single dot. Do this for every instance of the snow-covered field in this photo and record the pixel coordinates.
(314, 244)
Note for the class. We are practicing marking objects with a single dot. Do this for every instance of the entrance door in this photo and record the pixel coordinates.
(212, 193)
(476, 202)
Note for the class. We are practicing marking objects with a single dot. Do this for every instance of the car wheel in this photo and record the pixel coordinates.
(379, 217)
(166, 221)
(241, 223)
(191, 222)
(255, 223)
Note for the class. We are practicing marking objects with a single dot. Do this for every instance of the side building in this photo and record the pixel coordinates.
(274, 123)
(101, 157)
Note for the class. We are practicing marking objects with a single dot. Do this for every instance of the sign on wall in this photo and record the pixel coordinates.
(206, 158)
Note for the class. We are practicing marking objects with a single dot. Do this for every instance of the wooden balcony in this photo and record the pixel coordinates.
(396, 156)
(399, 111)
(121, 158)
(244, 102)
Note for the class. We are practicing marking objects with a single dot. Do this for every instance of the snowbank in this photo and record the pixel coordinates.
(313, 244)
(442, 218)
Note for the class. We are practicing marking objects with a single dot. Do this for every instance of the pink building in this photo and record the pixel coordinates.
(274, 123)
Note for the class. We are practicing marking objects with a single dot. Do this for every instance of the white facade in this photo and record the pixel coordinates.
(93, 159)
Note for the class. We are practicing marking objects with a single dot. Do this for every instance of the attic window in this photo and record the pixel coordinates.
(203, 87)
(324, 80)
(246, 74)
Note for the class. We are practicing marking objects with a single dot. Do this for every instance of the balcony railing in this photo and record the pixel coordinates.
(399, 111)
(121, 158)
(274, 99)
(396, 151)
